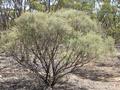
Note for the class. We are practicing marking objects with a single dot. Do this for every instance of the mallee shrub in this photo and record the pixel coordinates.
(50, 45)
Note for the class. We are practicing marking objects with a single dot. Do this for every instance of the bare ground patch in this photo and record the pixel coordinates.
(101, 75)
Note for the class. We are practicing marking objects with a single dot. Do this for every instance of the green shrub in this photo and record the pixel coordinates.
(51, 47)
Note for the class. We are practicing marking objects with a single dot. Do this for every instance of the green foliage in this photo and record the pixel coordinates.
(79, 21)
(67, 3)
(31, 26)
(68, 24)
(36, 5)
(115, 33)
(7, 40)
(52, 43)
(87, 6)
(76, 4)
(105, 15)
(39, 29)
(109, 18)
(94, 44)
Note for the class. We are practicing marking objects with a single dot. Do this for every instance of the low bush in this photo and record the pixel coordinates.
(50, 45)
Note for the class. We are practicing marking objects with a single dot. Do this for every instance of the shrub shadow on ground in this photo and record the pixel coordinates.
(95, 75)
(20, 84)
(23, 84)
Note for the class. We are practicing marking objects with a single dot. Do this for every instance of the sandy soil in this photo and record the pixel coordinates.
(100, 75)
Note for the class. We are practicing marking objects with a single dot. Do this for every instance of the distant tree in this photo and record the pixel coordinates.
(9, 10)
(115, 33)
(105, 15)
(109, 17)
(75, 4)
